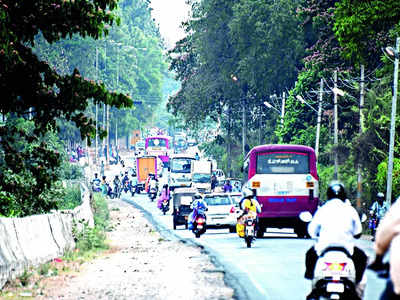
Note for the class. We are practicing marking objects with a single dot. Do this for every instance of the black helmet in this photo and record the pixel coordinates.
(336, 190)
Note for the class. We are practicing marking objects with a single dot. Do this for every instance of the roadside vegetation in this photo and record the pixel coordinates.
(239, 54)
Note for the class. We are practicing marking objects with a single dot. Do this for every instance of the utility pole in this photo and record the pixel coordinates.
(108, 134)
(361, 130)
(283, 108)
(336, 175)
(228, 146)
(244, 125)
(116, 119)
(393, 124)
(321, 90)
(97, 79)
(259, 125)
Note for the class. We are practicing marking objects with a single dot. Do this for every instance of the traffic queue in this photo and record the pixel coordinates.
(281, 190)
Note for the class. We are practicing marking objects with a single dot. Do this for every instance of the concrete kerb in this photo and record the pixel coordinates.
(12, 260)
(231, 274)
(37, 239)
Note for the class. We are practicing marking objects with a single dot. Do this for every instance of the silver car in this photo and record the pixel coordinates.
(221, 211)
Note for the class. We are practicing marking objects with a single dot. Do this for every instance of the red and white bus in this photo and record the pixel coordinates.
(286, 183)
(158, 146)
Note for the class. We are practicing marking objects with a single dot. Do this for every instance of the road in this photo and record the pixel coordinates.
(272, 269)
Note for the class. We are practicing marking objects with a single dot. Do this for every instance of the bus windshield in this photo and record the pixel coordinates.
(181, 165)
(282, 163)
(157, 143)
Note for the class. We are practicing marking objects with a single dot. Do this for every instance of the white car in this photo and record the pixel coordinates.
(220, 176)
(221, 211)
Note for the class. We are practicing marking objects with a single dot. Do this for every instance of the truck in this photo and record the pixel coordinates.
(201, 175)
(180, 170)
(135, 136)
(146, 165)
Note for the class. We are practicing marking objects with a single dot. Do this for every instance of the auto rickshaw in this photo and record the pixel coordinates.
(182, 198)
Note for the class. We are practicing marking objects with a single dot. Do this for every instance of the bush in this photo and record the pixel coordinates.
(72, 198)
(88, 238)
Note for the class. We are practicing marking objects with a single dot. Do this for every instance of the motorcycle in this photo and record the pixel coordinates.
(165, 206)
(127, 186)
(334, 273)
(199, 225)
(153, 193)
(373, 224)
(116, 193)
(249, 230)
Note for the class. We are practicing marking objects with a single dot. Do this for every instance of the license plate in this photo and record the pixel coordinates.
(332, 287)
(250, 231)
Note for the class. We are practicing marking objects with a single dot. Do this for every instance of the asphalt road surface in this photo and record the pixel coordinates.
(272, 269)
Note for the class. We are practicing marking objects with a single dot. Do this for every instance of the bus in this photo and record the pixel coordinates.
(158, 146)
(285, 181)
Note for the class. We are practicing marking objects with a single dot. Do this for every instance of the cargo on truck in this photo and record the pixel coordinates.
(146, 165)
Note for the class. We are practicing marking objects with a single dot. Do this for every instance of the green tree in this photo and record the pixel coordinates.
(46, 94)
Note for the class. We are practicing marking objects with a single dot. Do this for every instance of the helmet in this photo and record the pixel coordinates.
(247, 193)
(336, 190)
(380, 195)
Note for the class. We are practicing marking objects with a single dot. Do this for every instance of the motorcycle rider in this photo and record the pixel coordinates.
(126, 181)
(378, 210)
(336, 223)
(227, 187)
(249, 205)
(164, 196)
(199, 206)
(96, 183)
(388, 236)
(117, 184)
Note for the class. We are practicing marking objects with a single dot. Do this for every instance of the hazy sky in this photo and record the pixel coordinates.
(169, 14)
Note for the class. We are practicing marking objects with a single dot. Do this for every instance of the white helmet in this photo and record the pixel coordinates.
(380, 195)
(247, 193)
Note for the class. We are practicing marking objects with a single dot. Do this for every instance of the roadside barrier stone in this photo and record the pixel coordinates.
(37, 239)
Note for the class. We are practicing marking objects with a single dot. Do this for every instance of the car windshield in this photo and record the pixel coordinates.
(201, 178)
(218, 200)
(181, 165)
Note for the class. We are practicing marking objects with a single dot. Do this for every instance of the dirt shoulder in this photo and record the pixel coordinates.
(140, 265)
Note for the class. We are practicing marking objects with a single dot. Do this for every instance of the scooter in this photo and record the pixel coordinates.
(334, 273)
(164, 206)
(249, 230)
(199, 225)
(153, 193)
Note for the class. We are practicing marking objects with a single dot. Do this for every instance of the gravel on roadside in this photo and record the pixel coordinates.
(141, 264)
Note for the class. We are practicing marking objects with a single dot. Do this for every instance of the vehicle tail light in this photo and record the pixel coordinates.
(335, 266)
(255, 184)
(232, 210)
(200, 221)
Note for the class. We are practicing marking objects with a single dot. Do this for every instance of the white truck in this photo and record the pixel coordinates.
(201, 175)
(180, 171)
